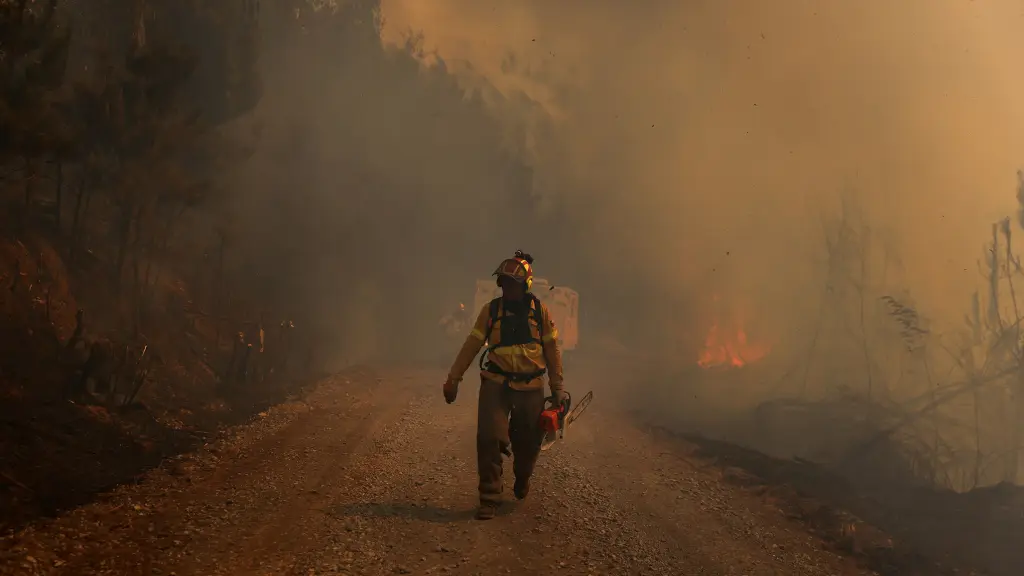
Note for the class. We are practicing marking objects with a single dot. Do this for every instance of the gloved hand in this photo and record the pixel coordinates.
(559, 396)
(451, 389)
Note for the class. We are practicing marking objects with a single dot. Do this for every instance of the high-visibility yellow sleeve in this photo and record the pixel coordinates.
(552, 351)
(474, 342)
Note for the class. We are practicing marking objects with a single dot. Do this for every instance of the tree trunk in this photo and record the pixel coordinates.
(141, 274)
(218, 294)
(81, 205)
(993, 283)
(977, 339)
(976, 476)
(124, 230)
(1017, 441)
(30, 182)
(862, 288)
(137, 285)
(58, 208)
(149, 279)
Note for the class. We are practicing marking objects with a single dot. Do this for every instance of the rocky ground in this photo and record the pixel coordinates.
(373, 474)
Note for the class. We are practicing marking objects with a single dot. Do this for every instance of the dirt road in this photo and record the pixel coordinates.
(374, 474)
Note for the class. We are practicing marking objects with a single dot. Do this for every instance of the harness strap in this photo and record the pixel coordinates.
(513, 376)
(535, 311)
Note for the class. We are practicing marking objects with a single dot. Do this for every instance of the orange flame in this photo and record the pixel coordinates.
(729, 347)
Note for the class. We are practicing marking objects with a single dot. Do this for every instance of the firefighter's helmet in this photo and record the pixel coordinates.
(519, 268)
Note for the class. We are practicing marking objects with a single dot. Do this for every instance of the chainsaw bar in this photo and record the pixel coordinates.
(575, 412)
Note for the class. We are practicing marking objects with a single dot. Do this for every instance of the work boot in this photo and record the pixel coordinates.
(486, 511)
(521, 489)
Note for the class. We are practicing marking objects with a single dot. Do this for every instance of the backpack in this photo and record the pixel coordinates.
(534, 313)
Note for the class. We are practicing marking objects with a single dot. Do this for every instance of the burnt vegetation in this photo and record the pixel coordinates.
(912, 426)
(106, 354)
(147, 298)
(150, 293)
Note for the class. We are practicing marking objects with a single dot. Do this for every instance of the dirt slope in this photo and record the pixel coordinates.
(374, 474)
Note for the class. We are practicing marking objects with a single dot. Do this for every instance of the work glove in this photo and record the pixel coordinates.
(451, 389)
(559, 396)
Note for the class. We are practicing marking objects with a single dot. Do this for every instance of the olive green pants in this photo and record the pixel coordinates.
(506, 417)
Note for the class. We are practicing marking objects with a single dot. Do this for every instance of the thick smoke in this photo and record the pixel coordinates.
(378, 189)
(698, 145)
(652, 155)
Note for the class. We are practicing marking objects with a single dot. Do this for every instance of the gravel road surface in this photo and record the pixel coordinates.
(374, 474)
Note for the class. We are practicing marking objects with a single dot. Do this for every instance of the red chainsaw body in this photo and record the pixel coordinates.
(549, 420)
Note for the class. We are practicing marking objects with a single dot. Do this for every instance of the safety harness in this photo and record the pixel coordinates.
(515, 330)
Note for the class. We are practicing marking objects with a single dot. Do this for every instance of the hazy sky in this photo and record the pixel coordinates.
(701, 128)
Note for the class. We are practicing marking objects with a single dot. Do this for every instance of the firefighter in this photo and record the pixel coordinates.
(456, 322)
(522, 355)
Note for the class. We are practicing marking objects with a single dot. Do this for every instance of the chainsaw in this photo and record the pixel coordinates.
(554, 419)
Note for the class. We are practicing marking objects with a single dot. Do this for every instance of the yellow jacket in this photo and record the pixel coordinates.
(517, 358)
